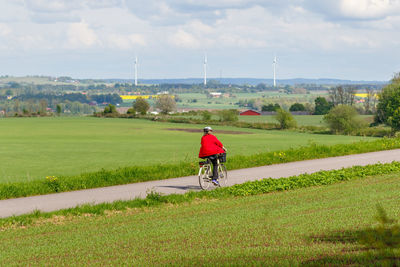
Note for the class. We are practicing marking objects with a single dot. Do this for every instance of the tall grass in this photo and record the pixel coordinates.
(157, 172)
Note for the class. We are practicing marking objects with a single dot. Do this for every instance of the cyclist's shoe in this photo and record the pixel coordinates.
(215, 182)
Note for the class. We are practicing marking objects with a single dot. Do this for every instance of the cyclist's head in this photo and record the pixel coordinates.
(207, 129)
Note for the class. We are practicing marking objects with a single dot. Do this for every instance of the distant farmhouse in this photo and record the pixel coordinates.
(250, 113)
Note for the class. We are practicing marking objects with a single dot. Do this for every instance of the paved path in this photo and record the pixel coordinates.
(181, 185)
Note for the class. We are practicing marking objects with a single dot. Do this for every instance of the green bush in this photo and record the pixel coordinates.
(141, 105)
(131, 111)
(297, 107)
(206, 115)
(270, 107)
(322, 106)
(228, 115)
(110, 109)
(388, 108)
(344, 119)
(285, 119)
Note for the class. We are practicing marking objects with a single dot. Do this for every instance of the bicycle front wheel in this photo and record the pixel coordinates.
(222, 175)
(204, 177)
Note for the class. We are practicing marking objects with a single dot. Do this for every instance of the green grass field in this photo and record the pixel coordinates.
(310, 226)
(33, 148)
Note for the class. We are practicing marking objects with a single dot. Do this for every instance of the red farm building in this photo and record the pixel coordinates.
(250, 113)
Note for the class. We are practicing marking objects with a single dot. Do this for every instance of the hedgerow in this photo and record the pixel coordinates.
(263, 186)
(158, 172)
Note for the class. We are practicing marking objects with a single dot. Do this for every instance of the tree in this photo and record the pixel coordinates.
(342, 95)
(166, 104)
(297, 107)
(388, 108)
(228, 115)
(344, 119)
(285, 119)
(322, 106)
(270, 107)
(110, 109)
(206, 115)
(58, 109)
(369, 101)
(43, 106)
(141, 105)
(131, 111)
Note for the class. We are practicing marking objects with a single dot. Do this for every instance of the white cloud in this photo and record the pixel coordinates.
(158, 29)
(126, 42)
(4, 29)
(81, 36)
(184, 40)
(52, 5)
(369, 9)
(355, 9)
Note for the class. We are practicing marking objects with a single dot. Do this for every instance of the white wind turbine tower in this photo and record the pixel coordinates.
(274, 63)
(205, 69)
(136, 63)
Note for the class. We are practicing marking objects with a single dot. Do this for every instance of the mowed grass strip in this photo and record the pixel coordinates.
(283, 228)
(33, 148)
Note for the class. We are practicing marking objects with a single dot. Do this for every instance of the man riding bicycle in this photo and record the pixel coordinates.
(210, 148)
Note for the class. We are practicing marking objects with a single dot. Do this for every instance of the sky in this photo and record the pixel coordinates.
(343, 39)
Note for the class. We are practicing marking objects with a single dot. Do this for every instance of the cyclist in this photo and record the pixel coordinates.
(210, 148)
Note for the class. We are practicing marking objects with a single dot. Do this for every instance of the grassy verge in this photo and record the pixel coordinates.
(310, 226)
(249, 188)
(147, 173)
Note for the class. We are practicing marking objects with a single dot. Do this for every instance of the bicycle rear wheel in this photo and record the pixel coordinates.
(204, 177)
(222, 175)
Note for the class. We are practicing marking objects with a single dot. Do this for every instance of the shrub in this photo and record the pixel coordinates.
(322, 106)
(285, 119)
(270, 107)
(131, 111)
(388, 109)
(110, 109)
(297, 107)
(344, 119)
(206, 115)
(141, 105)
(166, 104)
(228, 115)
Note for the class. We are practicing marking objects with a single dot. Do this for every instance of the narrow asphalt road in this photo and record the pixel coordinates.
(181, 185)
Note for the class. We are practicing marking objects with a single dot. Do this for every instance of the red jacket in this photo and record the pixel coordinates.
(210, 145)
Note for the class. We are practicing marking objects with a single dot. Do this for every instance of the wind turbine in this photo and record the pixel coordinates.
(205, 69)
(136, 63)
(274, 63)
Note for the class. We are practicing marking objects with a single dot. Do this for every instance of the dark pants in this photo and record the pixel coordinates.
(214, 161)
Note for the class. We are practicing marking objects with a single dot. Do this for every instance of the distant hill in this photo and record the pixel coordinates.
(249, 81)
(237, 81)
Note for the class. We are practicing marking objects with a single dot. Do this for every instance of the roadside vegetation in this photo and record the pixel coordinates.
(323, 221)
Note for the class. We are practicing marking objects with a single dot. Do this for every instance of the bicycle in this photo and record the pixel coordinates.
(205, 173)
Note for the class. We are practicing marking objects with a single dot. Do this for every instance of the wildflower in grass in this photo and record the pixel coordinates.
(281, 155)
(51, 178)
(52, 182)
